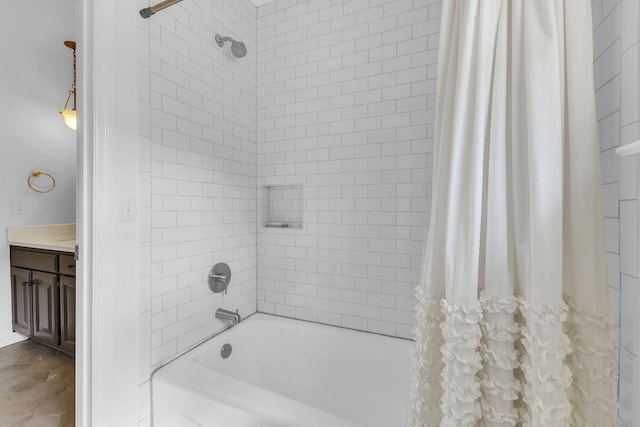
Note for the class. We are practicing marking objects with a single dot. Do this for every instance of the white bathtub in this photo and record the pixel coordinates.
(285, 372)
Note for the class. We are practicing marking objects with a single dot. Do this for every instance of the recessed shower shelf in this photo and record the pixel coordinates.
(282, 206)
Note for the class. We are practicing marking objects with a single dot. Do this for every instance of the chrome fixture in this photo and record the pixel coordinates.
(225, 351)
(238, 49)
(148, 11)
(219, 278)
(227, 316)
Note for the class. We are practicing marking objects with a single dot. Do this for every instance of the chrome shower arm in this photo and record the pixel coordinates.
(220, 40)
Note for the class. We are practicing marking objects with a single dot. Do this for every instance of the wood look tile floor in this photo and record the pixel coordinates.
(37, 386)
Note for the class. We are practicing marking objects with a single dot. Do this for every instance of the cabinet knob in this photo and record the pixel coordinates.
(70, 266)
(26, 283)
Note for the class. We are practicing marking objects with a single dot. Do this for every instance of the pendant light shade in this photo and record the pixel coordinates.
(69, 115)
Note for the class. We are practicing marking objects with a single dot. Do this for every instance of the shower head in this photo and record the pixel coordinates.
(238, 49)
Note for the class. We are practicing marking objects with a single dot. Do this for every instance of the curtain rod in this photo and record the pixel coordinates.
(147, 12)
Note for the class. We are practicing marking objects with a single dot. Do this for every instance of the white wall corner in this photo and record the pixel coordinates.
(108, 130)
(12, 338)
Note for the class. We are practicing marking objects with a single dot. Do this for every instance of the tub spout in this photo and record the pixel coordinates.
(228, 316)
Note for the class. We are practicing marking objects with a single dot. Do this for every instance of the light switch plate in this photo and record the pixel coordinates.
(19, 207)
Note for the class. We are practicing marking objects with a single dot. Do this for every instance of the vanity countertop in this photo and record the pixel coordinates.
(53, 237)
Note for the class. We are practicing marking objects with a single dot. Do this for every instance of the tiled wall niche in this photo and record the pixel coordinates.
(282, 206)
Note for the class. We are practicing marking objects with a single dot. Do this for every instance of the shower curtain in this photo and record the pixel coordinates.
(513, 315)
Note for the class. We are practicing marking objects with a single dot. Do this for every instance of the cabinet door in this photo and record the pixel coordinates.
(45, 303)
(68, 314)
(21, 300)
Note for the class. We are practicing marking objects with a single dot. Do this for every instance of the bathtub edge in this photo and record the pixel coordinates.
(182, 353)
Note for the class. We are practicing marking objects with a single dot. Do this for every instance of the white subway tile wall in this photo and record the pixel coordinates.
(144, 223)
(197, 175)
(616, 72)
(346, 97)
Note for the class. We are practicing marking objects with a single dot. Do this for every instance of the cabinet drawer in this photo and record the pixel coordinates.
(67, 265)
(34, 260)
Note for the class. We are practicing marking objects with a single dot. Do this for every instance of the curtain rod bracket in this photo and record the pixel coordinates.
(148, 11)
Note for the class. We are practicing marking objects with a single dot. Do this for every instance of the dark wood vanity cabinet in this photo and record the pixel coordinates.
(43, 296)
(68, 314)
(21, 300)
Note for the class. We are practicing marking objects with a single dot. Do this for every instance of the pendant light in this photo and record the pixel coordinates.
(70, 115)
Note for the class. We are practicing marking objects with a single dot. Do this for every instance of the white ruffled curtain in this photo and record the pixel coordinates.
(513, 309)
